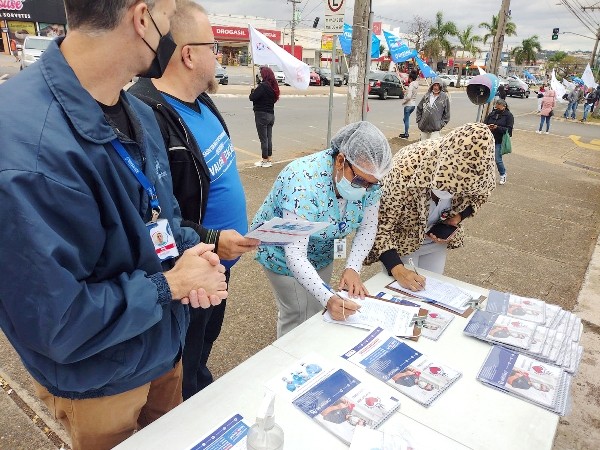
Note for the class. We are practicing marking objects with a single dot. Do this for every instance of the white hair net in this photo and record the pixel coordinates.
(365, 147)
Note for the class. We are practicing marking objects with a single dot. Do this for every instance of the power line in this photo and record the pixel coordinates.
(571, 8)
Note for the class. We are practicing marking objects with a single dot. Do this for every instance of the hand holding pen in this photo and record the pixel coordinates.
(339, 307)
(408, 277)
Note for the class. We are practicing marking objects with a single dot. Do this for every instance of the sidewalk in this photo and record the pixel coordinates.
(537, 236)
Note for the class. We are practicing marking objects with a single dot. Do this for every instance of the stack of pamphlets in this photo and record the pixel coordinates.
(230, 435)
(375, 312)
(436, 321)
(279, 231)
(443, 294)
(333, 397)
(527, 378)
(419, 377)
(554, 340)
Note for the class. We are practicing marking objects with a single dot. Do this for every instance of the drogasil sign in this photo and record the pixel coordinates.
(241, 34)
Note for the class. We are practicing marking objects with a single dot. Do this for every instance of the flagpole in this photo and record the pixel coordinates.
(253, 74)
(331, 84)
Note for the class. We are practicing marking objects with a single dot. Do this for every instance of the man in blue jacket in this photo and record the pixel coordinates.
(90, 294)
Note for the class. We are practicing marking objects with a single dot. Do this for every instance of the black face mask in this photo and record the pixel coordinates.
(164, 51)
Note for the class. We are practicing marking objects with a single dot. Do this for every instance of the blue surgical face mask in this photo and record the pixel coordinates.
(347, 191)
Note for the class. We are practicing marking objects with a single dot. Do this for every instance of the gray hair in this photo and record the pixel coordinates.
(501, 102)
(94, 15)
(183, 21)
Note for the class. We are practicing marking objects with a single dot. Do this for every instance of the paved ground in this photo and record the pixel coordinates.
(537, 236)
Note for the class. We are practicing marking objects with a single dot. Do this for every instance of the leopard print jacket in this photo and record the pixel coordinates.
(462, 162)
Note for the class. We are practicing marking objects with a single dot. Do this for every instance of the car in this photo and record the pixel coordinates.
(279, 75)
(315, 79)
(32, 50)
(325, 75)
(517, 88)
(385, 84)
(449, 80)
(502, 80)
(221, 74)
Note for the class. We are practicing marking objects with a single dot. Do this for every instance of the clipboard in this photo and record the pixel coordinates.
(474, 303)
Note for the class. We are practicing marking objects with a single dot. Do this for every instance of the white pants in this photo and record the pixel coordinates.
(294, 303)
(430, 257)
(432, 135)
(540, 103)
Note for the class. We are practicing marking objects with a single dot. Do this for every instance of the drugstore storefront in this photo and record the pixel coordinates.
(21, 18)
(234, 44)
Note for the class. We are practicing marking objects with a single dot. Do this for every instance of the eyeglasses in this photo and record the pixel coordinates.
(214, 44)
(360, 182)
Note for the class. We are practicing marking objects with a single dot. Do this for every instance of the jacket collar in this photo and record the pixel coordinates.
(80, 107)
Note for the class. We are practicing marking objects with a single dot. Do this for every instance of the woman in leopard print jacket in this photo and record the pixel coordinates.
(432, 181)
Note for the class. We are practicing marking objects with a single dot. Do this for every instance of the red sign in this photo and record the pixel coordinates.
(450, 62)
(377, 28)
(242, 34)
(335, 5)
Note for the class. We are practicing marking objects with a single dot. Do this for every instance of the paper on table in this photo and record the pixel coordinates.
(230, 435)
(440, 292)
(278, 231)
(378, 313)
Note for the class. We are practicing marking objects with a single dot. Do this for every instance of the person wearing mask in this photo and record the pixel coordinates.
(206, 181)
(263, 99)
(547, 110)
(339, 186)
(431, 182)
(96, 308)
(433, 111)
(500, 121)
(410, 101)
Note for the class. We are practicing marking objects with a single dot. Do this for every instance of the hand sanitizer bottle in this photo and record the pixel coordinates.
(265, 434)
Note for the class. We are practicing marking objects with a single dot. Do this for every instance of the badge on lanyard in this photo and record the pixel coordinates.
(163, 239)
(339, 248)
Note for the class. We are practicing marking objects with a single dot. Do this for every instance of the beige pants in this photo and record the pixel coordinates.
(104, 422)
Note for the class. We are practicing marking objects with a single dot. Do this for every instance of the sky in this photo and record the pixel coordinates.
(532, 17)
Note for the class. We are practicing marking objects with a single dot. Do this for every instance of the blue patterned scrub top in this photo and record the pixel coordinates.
(305, 188)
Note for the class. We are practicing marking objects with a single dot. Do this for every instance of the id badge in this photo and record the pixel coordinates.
(162, 238)
(339, 248)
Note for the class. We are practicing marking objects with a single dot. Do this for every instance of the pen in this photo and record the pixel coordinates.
(410, 261)
(326, 286)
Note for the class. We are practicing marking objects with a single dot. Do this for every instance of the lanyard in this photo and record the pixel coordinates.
(139, 175)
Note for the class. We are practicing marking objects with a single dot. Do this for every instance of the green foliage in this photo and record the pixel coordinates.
(527, 51)
(439, 33)
(492, 27)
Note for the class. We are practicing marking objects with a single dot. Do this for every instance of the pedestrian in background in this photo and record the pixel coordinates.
(263, 99)
(590, 100)
(340, 186)
(410, 101)
(445, 180)
(433, 112)
(502, 92)
(96, 308)
(14, 50)
(574, 97)
(206, 181)
(547, 110)
(500, 121)
(540, 96)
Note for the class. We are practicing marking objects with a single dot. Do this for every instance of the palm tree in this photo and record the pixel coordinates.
(468, 41)
(510, 29)
(438, 38)
(527, 51)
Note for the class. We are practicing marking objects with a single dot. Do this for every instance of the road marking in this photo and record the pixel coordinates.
(246, 152)
(4, 77)
(592, 145)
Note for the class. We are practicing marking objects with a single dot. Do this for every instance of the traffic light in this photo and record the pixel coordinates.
(554, 34)
(316, 22)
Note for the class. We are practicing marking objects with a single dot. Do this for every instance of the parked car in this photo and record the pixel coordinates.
(221, 73)
(452, 80)
(325, 75)
(502, 80)
(385, 84)
(517, 88)
(315, 79)
(32, 49)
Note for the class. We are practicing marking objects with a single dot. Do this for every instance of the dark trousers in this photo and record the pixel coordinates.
(264, 127)
(205, 327)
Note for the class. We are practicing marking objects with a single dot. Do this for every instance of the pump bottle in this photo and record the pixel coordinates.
(265, 434)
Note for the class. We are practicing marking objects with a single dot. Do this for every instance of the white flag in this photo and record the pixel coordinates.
(265, 51)
(481, 71)
(557, 87)
(588, 77)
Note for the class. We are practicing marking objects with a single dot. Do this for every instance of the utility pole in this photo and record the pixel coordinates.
(293, 24)
(597, 37)
(498, 42)
(357, 68)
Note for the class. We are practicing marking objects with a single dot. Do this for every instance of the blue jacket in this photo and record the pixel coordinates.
(82, 296)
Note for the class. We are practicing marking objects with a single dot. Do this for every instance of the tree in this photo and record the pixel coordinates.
(419, 32)
(527, 51)
(468, 41)
(438, 42)
(492, 27)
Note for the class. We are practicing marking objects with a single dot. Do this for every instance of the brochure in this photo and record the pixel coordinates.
(419, 377)
(279, 231)
(527, 378)
(230, 435)
(334, 398)
(512, 305)
(437, 319)
(506, 330)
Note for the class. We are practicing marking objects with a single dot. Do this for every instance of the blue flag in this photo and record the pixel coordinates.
(346, 42)
(399, 50)
(425, 69)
